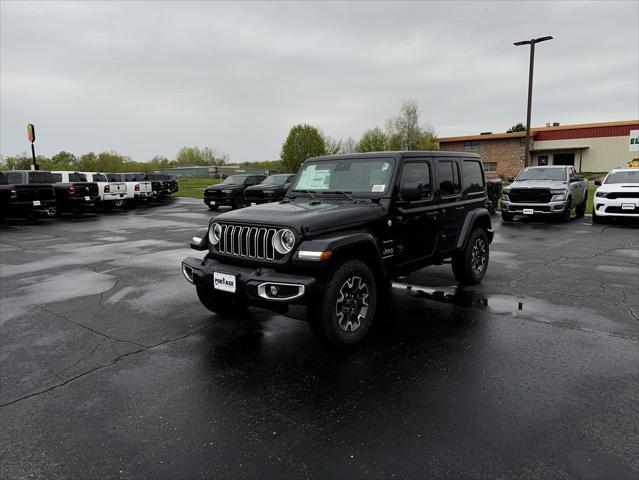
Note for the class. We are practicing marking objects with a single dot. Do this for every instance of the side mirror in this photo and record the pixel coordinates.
(598, 183)
(200, 241)
(511, 179)
(412, 192)
(576, 178)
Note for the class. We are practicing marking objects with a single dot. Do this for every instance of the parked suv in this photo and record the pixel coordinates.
(230, 191)
(272, 189)
(617, 196)
(348, 226)
(553, 190)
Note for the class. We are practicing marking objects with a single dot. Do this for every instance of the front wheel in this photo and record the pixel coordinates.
(471, 263)
(580, 211)
(565, 215)
(221, 303)
(595, 218)
(507, 217)
(342, 311)
(238, 202)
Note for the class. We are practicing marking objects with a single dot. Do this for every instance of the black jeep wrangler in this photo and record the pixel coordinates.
(348, 226)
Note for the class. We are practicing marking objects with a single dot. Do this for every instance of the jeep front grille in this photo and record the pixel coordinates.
(247, 242)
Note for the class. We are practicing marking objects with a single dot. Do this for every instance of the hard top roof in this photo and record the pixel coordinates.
(395, 154)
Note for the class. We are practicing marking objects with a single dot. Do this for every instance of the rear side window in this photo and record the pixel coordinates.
(415, 173)
(99, 177)
(472, 175)
(42, 177)
(448, 174)
(113, 177)
(77, 177)
(57, 177)
(3, 179)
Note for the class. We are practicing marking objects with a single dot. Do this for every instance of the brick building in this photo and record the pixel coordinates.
(589, 147)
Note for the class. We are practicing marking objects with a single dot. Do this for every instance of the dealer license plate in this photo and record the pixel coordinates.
(212, 202)
(36, 203)
(627, 206)
(87, 198)
(223, 281)
(528, 211)
(253, 203)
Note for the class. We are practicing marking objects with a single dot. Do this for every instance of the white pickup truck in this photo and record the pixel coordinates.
(137, 187)
(110, 194)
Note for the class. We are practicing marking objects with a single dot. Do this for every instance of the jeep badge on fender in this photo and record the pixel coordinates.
(348, 225)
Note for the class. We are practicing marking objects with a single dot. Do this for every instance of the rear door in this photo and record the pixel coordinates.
(451, 208)
(417, 221)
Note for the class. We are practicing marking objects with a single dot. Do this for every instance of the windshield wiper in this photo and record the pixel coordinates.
(309, 192)
(342, 192)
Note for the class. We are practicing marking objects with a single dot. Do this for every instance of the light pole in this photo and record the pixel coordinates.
(532, 43)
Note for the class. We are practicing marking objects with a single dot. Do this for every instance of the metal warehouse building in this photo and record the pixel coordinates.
(589, 147)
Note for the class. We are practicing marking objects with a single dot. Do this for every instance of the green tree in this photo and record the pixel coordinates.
(303, 141)
(63, 161)
(332, 146)
(88, 162)
(373, 140)
(405, 133)
(206, 156)
(519, 127)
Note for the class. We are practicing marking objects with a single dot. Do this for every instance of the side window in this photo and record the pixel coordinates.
(448, 173)
(259, 180)
(473, 178)
(249, 181)
(415, 173)
(57, 177)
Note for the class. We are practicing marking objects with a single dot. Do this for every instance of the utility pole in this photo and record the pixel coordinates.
(532, 43)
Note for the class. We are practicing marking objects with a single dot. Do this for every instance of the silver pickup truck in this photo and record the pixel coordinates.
(552, 190)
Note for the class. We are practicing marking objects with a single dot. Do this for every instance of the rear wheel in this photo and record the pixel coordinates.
(471, 263)
(507, 217)
(220, 303)
(343, 310)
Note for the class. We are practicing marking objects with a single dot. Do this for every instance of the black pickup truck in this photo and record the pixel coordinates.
(73, 193)
(272, 189)
(348, 226)
(163, 184)
(26, 200)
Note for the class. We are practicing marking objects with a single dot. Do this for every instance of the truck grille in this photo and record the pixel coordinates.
(247, 242)
(530, 195)
(613, 195)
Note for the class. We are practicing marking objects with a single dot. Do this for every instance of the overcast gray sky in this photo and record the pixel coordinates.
(146, 78)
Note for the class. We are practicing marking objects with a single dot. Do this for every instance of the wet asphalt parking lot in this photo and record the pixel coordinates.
(111, 368)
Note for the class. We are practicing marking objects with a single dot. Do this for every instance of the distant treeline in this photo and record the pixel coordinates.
(115, 162)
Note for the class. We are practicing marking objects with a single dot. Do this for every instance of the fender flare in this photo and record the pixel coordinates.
(472, 218)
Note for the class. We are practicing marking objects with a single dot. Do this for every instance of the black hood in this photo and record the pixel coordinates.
(219, 186)
(305, 215)
(257, 188)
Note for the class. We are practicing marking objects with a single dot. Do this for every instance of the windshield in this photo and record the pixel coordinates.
(553, 174)
(276, 180)
(629, 176)
(234, 180)
(359, 175)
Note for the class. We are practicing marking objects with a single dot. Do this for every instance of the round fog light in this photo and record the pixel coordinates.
(274, 290)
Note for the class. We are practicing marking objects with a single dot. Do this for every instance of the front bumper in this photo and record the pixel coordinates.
(251, 284)
(537, 208)
(226, 200)
(606, 207)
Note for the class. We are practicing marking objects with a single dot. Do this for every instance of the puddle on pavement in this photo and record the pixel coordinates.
(524, 307)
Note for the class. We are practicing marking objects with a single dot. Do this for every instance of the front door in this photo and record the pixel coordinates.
(417, 220)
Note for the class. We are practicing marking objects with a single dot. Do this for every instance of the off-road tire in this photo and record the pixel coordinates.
(466, 262)
(341, 329)
(507, 217)
(580, 211)
(221, 303)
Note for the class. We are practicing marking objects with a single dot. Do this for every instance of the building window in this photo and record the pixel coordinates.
(471, 145)
(522, 141)
(542, 160)
(490, 166)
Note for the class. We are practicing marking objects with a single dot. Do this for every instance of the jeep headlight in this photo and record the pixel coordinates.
(284, 241)
(215, 232)
(601, 194)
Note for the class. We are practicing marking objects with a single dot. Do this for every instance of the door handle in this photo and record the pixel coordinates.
(459, 209)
